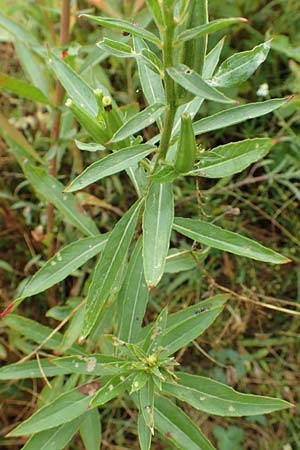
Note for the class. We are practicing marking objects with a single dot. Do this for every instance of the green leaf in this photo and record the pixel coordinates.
(133, 297)
(155, 8)
(217, 398)
(144, 433)
(146, 403)
(90, 430)
(89, 147)
(94, 364)
(64, 263)
(37, 332)
(177, 427)
(216, 237)
(22, 88)
(33, 67)
(228, 159)
(239, 67)
(52, 190)
(187, 328)
(138, 122)
(194, 83)
(19, 146)
(151, 82)
(56, 438)
(157, 226)
(22, 34)
(63, 409)
(75, 86)
(109, 165)
(31, 369)
(124, 25)
(236, 115)
(116, 48)
(108, 267)
(179, 261)
(212, 59)
(114, 387)
(152, 61)
(210, 27)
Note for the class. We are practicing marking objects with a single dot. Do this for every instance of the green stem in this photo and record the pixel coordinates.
(168, 51)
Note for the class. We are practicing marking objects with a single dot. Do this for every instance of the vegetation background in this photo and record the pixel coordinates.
(255, 346)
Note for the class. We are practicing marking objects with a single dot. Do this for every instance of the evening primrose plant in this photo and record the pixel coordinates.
(105, 351)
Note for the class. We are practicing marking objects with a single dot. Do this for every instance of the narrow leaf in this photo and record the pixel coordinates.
(144, 433)
(52, 190)
(90, 430)
(228, 159)
(212, 59)
(23, 89)
(210, 27)
(75, 86)
(63, 409)
(33, 67)
(177, 427)
(124, 25)
(237, 114)
(56, 438)
(240, 66)
(185, 331)
(64, 263)
(194, 83)
(133, 297)
(89, 147)
(38, 333)
(138, 122)
(114, 387)
(108, 267)
(94, 364)
(116, 48)
(216, 237)
(157, 226)
(217, 398)
(151, 82)
(31, 369)
(109, 165)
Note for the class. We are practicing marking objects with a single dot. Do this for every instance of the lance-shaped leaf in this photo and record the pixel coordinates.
(138, 122)
(152, 61)
(144, 433)
(187, 329)
(177, 427)
(151, 82)
(19, 146)
(90, 430)
(63, 263)
(210, 27)
(194, 83)
(31, 369)
(75, 86)
(33, 67)
(124, 25)
(89, 147)
(133, 297)
(114, 387)
(228, 159)
(116, 48)
(111, 164)
(217, 398)
(63, 409)
(108, 267)
(95, 364)
(216, 237)
(23, 89)
(157, 226)
(237, 114)
(52, 190)
(240, 66)
(56, 438)
(146, 403)
(212, 59)
(37, 332)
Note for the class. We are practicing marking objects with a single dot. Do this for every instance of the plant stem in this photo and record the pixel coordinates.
(168, 51)
(59, 94)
